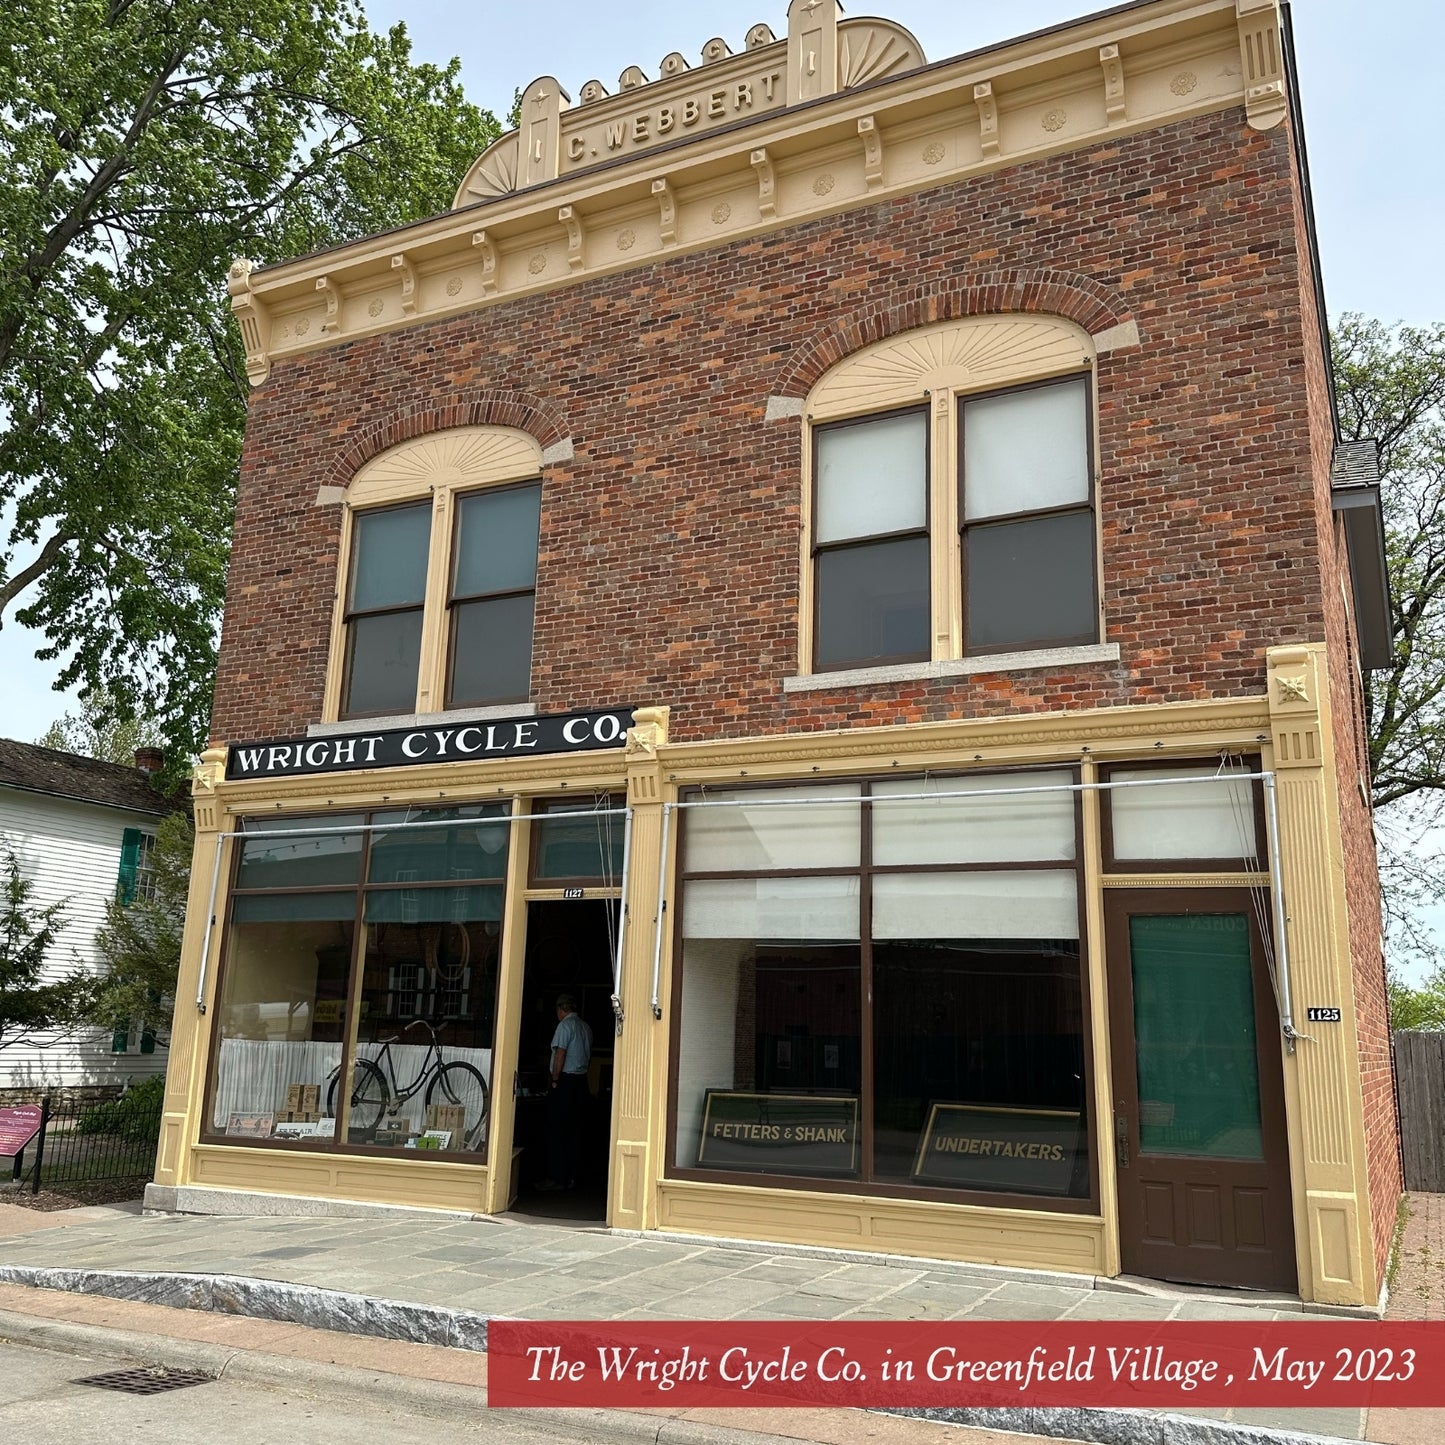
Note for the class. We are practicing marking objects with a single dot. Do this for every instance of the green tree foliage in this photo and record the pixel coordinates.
(143, 144)
(1391, 386)
(139, 944)
(1418, 1008)
(28, 1003)
(96, 730)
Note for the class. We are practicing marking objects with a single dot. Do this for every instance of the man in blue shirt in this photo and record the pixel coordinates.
(571, 1056)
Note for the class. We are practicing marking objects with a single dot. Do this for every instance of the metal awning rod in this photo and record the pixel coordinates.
(845, 799)
(622, 920)
(661, 910)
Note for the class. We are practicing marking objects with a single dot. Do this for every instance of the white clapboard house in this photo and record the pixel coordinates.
(83, 831)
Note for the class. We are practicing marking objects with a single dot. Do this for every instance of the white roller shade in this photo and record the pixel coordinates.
(976, 905)
(1010, 828)
(872, 478)
(1025, 450)
(796, 909)
(1198, 819)
(746, 836)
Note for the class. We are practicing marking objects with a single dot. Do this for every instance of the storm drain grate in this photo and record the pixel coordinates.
(153, 1380)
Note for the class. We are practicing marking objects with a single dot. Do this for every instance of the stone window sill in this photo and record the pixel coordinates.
(421, 720)
(1043, 657)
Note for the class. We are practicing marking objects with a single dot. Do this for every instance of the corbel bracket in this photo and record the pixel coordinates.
(762, 164)
(984, 99)
(486, 248)
(1261, 50)
(253, 319)
(872, 139)
(328, 288)
(667, 210)
(576, 236)
(402, 267)
(1113, 68)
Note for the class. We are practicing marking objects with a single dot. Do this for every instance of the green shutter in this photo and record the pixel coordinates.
(129, 867)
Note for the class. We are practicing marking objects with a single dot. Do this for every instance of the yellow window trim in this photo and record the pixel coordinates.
(937, 365)
(441, 465)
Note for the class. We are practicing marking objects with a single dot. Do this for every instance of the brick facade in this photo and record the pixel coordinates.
(650, 587)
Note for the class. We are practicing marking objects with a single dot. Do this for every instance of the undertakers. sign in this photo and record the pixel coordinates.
(982, 1147)
(779, 1133)
(575, 732)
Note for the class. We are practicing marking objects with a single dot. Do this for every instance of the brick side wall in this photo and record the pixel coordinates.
(1362, 879)
(669, 552)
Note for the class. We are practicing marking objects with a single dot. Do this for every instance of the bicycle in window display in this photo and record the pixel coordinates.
(375, 1092)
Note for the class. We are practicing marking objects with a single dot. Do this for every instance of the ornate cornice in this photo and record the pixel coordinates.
(547, 220)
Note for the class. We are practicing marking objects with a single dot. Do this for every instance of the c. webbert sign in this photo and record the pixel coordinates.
(576, 732)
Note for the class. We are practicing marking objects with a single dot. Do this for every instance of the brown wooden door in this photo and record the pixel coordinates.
(1199, 1129)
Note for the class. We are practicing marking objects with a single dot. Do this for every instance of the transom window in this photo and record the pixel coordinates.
(440, 573)
(953, 497)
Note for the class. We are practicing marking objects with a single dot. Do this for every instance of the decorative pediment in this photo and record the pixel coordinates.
(463, 457)
(969, 355)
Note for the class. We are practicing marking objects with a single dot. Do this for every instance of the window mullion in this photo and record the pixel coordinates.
(431, 679)
(944, 544)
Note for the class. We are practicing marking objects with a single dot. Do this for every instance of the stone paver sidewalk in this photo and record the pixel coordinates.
(538, 1270)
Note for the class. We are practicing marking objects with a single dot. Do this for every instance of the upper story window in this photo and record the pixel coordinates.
(440, 569)
(952, 498)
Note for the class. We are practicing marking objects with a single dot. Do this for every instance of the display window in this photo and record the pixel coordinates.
(357, 1002)
(880, 989)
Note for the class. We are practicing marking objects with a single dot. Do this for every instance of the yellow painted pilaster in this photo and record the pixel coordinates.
(185, 1068)
(1326, 1121)
(507, 1034)
(639, 1071)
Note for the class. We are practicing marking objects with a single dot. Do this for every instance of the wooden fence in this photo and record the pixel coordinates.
(1420, 1079)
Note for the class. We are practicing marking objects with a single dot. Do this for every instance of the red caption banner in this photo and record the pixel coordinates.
(747, 1363)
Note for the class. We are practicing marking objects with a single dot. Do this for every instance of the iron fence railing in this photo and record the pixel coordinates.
(80, 1143)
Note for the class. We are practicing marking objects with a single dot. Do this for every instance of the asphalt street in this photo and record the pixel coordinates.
(41, 1403)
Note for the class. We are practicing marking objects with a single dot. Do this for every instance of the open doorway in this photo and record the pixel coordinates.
(569, 951)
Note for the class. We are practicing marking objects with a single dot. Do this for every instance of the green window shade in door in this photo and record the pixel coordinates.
(1194, 1031)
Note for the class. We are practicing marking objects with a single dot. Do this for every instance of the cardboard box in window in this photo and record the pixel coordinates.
(451, 1118)
(303, 1099)
(390, 1136)
(298, 1116)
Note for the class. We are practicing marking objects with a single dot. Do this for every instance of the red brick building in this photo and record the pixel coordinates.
(893, 512)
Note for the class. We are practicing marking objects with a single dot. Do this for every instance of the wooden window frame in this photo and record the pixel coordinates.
(939, 368)
(865, 870)
(438, 468)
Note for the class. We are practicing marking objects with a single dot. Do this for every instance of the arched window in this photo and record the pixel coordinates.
(437, 576)
(951, 497)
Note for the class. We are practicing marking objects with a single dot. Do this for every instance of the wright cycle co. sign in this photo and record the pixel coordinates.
(575, 732)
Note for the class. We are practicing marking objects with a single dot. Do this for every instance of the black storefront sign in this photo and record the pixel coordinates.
(779, 1133)
(575, 732)
(1031, 1151)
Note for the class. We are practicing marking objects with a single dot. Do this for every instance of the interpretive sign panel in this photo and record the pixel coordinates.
(779, 1133)
(18, 1126)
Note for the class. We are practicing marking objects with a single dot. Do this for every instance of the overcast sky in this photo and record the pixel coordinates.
(1369, 76)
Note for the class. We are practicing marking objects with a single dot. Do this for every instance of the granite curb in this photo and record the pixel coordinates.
(346, 1313)
(433, 1398)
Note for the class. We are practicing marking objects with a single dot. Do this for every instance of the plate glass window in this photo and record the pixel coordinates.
(386, 597)
(493, 591)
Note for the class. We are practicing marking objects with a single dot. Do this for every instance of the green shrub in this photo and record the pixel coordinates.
(135, 1115)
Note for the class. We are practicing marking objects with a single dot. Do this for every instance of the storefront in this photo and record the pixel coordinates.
(985, 991)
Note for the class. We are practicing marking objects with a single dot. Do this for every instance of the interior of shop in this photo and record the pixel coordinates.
(570, 949)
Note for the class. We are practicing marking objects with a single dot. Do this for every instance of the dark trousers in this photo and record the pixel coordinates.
(564, 1127)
